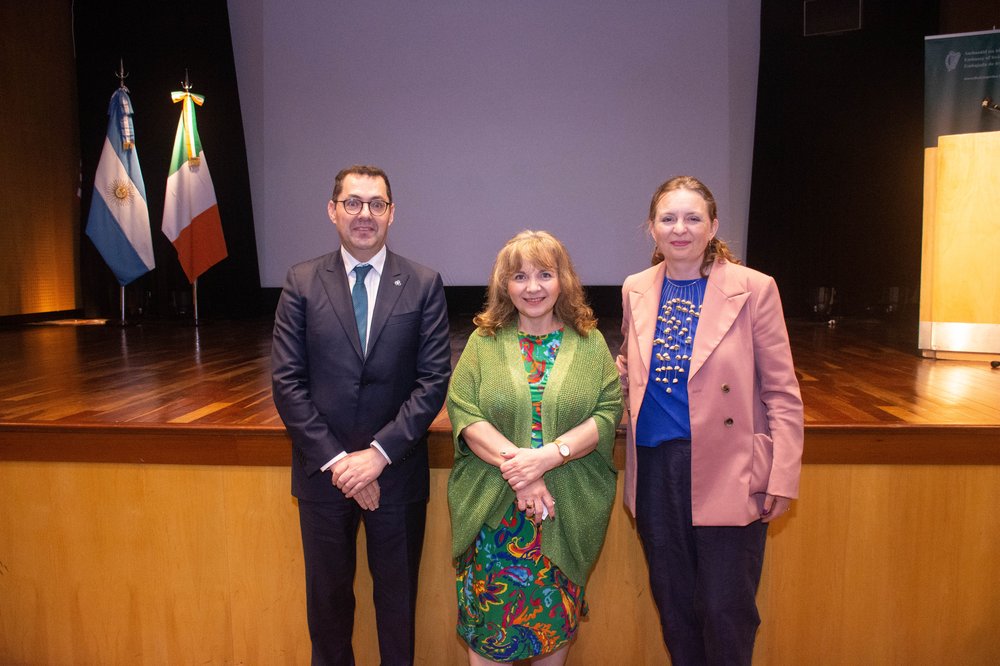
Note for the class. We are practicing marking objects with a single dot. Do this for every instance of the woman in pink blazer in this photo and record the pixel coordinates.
(714, 441)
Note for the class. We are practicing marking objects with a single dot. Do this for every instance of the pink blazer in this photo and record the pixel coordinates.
(746, 410)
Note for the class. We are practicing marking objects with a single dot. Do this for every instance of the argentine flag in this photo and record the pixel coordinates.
(118, 223)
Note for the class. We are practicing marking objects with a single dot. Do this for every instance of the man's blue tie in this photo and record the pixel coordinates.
(360, 297)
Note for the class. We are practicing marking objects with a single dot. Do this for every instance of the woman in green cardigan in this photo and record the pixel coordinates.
(534, 402)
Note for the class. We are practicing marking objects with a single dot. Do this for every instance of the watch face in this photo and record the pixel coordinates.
(564, 450)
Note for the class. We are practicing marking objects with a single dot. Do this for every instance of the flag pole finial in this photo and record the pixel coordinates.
(186, 84)
(121, 74)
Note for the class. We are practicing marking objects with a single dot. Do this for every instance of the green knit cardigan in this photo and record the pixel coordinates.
(490, 384)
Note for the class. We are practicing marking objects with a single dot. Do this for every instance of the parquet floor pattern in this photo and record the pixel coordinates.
(218, 374)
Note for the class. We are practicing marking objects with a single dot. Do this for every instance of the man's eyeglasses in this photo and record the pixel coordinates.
(353, 206)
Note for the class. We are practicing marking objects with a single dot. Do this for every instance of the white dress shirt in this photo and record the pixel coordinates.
(372, 281)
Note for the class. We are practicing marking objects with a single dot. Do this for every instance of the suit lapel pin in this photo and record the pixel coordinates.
(398, 283)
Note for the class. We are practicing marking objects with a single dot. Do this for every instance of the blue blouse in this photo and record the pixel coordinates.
(664, 415)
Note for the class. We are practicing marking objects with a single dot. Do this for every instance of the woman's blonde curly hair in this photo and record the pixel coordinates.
(544, 251)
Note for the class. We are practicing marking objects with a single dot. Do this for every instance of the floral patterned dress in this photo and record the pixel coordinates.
(513, 603)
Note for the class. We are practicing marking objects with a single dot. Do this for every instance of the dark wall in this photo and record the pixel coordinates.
(837, 185)
(969, 16)
(837, 192)
(157, 41)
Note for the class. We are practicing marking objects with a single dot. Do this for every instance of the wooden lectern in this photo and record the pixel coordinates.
(960, 273)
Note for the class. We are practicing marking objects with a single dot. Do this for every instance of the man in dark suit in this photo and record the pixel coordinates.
(360, 365)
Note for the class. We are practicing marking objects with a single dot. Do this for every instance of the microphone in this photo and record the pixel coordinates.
(995, 364)
(989, 105)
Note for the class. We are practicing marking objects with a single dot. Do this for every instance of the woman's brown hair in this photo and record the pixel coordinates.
(717, 249)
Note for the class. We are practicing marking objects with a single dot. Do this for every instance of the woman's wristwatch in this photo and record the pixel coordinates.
(563, 450)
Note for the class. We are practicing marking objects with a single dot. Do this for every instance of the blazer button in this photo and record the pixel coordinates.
(725, 388)
(729, 423)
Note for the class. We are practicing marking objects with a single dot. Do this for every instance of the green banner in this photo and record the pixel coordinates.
(961, 84)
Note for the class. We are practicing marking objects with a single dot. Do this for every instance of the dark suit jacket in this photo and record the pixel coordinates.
(332, 398)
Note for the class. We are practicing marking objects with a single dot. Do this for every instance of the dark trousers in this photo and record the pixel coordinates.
(704, 579)
(395, 538)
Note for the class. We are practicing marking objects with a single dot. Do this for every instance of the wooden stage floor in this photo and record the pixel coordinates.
(174, 393)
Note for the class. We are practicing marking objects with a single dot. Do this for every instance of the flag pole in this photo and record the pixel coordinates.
(122, 75)
(194, 291)
(121, 304)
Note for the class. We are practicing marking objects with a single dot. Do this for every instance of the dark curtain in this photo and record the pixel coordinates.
(836, 199)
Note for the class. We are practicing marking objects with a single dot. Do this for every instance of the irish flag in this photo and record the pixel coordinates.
(190, 213)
